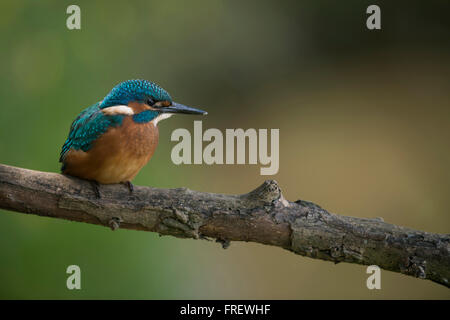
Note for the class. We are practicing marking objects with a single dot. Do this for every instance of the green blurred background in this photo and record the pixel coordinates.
(364, 119)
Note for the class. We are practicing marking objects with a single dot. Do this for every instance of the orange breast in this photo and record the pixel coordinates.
(117, 156)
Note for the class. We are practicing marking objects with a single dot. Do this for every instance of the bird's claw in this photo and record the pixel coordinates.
(114, 223)
(129, 186)
(96, 187)
(225, 243)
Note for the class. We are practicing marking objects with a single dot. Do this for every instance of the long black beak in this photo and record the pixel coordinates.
(179, 108)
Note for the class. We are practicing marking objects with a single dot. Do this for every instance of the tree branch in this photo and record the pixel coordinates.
(261, 216)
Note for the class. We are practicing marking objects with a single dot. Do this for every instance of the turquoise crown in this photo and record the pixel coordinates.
(134, 90)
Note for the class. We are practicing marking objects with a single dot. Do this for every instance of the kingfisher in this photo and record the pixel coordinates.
(110, 141)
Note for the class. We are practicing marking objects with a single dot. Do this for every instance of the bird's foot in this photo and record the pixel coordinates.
(225, 243)
(114, 223)
(96, 187)
(129, 186)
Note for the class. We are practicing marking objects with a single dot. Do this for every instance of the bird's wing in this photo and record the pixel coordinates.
(90, 124)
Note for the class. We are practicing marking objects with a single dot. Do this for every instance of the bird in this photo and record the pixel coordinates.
(112, 140)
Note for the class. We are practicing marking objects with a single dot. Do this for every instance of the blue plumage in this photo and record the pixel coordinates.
(145, 116)
(87, 127)
(112, 140)
(134, 90)
(91, 123)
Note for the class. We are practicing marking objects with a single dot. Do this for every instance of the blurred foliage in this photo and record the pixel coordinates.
(363, 115)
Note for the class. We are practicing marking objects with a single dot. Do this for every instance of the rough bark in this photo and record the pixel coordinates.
(261, 216)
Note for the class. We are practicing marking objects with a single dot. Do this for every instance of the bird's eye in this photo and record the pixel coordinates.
(150, 102)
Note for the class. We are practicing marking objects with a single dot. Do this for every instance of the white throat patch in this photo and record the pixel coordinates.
(162, 116)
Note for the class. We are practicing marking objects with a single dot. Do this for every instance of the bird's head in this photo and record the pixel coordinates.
(147, 95)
